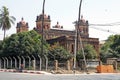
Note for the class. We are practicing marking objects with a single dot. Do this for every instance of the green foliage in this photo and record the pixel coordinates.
(24, 43)
(89, 52)
(0, 47)
(111, 48)
(5, 19)
(58, 53)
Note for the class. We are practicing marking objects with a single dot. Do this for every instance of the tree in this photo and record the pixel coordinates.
(24, 43)
(89, 52)
(111, 48)
(5, 20)
(57, 52)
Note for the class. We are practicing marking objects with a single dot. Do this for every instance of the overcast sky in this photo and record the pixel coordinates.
(66, 12)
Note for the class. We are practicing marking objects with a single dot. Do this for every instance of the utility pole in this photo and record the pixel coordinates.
(79, 36)
(78, 24)
(42, 26)
(76, 36)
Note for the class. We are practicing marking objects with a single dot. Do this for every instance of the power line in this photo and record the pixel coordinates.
(105, 30)
(107, 24)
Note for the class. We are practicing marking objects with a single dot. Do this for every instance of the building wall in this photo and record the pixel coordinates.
(69, 41)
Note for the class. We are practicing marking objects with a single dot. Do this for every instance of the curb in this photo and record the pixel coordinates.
(33, 72)
(24, 71)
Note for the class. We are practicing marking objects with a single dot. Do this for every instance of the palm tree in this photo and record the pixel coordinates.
(5, 20)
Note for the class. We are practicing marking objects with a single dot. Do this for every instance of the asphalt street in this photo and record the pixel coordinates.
(30, 76)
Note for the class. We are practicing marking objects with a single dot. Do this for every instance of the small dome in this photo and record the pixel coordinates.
(57, 26)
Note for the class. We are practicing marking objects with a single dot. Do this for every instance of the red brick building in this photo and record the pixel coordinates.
(64, 37)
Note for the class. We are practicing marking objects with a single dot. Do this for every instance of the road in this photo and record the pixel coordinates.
(29, 76)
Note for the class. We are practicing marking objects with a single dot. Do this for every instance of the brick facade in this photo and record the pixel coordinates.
(64, 37)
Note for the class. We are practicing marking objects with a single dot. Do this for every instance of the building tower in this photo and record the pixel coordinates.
(83, 27)
(47, 22)
(22, 26)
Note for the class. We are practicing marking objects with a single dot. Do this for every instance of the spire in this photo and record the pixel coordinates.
(81, 17)
(22, 19)
(57, 23)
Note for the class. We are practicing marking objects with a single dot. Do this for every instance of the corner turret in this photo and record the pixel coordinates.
(46, 24)
(83, 27)
(22, 26)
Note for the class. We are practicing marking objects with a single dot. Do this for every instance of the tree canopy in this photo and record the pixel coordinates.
(89, 52)
(29, 43)
(57, 52)
(111, 48)
(24, 43)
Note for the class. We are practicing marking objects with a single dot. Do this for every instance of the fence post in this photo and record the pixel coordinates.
(29, 61)
(34, 63)
(23, 61)
(0, 63)
(68, 65)
(4, 62)
(15, 62)
(19, 62)
(56, 65)
(10, 62)
(40, 61)
(46, 61)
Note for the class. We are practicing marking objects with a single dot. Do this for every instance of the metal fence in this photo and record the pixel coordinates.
(27, 62)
